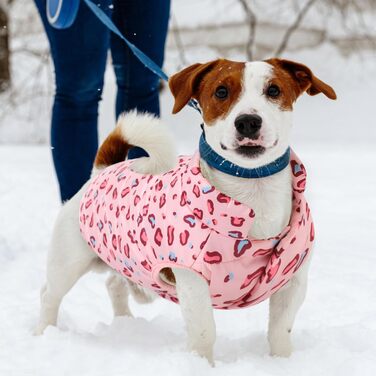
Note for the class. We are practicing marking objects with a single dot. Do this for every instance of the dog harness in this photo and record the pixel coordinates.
(140, 224)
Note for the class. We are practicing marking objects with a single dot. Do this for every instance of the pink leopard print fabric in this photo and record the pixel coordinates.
(140, 224)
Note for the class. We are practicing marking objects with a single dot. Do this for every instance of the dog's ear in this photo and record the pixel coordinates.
(304, 77)
(184, 84)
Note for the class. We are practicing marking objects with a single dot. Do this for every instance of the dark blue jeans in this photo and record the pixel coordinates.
(79, 54)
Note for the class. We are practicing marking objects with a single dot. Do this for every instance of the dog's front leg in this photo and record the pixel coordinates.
(196, 306)
(284, 305)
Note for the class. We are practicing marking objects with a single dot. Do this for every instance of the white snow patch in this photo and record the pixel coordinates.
(335, 330)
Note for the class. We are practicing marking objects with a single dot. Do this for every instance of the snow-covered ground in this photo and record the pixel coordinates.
(334, 334)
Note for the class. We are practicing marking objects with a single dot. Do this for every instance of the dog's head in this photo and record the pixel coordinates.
(247, 107)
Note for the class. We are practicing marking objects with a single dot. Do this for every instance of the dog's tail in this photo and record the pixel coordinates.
(142, 130)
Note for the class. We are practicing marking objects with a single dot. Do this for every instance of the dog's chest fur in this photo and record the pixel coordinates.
(270, 198)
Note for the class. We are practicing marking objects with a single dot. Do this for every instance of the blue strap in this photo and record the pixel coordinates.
(214, 160)
(148, 63)
(138, 53)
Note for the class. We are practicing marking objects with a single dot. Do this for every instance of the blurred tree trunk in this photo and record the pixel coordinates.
(4, 51)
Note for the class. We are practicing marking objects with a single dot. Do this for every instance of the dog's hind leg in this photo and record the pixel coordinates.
(283, 306)
(117, 288)
(60, 279)
(140, 294)
(195, 303)
(69, 258)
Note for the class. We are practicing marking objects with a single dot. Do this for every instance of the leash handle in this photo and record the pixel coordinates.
(61, 14)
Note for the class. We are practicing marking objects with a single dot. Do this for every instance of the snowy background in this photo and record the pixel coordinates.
(335, 332)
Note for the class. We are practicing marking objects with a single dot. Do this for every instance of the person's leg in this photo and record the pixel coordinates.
(79, 54)
(144, 23)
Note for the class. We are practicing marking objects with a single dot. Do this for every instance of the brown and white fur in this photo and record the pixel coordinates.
(247, 93)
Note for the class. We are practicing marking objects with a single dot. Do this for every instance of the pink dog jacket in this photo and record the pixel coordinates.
(139, 224)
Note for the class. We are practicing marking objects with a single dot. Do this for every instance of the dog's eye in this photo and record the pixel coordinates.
(221, 92)
(273, 91)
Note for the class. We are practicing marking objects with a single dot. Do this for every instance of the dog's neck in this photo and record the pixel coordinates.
(217, 162)
(269, 197)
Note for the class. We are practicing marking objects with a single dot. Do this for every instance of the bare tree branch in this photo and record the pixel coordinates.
(40, 54)
(359, 33)
(5, 4)
(5, 76)
(179, 43)
(293, 27)
(252, 21)
(24, 90)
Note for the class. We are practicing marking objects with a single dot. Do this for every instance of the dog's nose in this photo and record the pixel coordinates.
(248, 125)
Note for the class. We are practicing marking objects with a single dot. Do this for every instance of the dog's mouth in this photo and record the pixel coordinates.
(249, 148)
(250, 151)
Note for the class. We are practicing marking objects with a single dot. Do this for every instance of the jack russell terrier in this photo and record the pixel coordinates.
(226, 228)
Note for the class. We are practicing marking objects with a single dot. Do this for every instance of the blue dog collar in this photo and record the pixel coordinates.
(62, 13)
(214, 160)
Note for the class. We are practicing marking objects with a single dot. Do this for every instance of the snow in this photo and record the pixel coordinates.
(335, 331)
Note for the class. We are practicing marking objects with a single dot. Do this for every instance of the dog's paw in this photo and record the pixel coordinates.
(39, 330)
(282, 353)
(281, 346)
(204, 352)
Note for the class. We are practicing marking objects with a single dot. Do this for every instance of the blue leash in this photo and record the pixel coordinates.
(137, 52)
(61, 14)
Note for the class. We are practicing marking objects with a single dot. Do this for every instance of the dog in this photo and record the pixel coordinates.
(247, 111)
